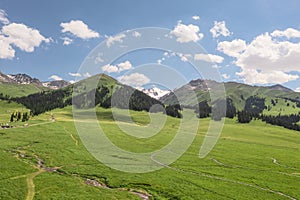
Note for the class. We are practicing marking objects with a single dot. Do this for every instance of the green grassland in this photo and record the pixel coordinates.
(283, 107)
(19, 90)
(250, 161)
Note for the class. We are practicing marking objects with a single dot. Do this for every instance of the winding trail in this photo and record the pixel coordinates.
(30, 184)
(221, 179)
(72, 136)
(276, 163)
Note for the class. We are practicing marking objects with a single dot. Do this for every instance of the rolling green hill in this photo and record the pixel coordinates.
(99, 90)
(238, 92)
(20, 90)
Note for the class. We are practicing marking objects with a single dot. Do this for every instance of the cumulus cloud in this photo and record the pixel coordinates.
(297, 89)
(86, 75)
(117, 68)
(110, 68)
(67, 41)
(135, 79)
(288, 33)
(196, 17)
(232, 48)
(112, 39)
(124, 66)
(79, 29)
(136, 34)
(187, 33)
(99, 58)
(209, 58)
(252, 76)
(219, 28)
(265, 59)
(21, 36)
(3, 17)
(55, 77)
(225, 76)
(183, 57)
(6, 50)
(74, 74)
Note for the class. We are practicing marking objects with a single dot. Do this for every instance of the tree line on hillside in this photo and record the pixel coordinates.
(253, 109)
(18, 116)
(45, 101)
(124, 97)
(128, 98)
(218, 107)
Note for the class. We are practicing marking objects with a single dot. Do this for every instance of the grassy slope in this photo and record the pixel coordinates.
(6, 109)
(239, 93)
(239, 166)
(18, 90)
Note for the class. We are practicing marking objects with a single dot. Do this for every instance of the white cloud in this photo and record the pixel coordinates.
(67, 41)
(159, 61)
(225, 76)
(209, 58)
(117, 68)
(3, 17)
(265, 59)
(184, 57)
(136, 34)
(135, 79)
(55, 77)
(74, 74)
(110, 68)
(232, 48)
(124, 66)
(297, 89)
(6, 50)
(87, 75)
(288, 33)
(196, 17)
(99, 58)
(72, 81)
(252, 76)
(21, 36)
(219, 29)
(187, 33)
(112, 39)
(79, 29)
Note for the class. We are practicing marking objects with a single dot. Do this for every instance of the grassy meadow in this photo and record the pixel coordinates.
(47, 160)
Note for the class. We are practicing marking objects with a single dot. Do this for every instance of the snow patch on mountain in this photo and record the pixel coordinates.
(154, 92)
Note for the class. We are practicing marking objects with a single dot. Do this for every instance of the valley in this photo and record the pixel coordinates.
(45, 156)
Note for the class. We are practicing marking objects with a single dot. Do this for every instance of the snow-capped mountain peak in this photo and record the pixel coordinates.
(154, 92)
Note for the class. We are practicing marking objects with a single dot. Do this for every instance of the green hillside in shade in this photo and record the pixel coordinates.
(19, 90)
(99, 90)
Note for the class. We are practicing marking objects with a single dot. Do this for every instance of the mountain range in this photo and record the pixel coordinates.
(24, 79)
(238, 92)
(21, 85)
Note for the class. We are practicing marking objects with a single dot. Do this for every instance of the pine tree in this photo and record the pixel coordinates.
(12, 116)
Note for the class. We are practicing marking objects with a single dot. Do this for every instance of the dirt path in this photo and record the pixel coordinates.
(38, 124)
(72, 136)
(30, 184)
(221, 179)
(276, 163)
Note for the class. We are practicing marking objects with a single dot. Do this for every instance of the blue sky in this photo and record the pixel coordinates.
(254, 42)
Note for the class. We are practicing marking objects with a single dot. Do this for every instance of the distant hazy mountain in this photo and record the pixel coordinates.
(24, 79)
